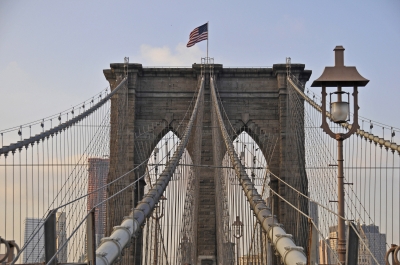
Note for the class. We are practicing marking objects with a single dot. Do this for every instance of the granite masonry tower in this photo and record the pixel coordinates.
(254, 98)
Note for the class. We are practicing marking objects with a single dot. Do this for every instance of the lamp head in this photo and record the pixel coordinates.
(340, 76)
(237, 226)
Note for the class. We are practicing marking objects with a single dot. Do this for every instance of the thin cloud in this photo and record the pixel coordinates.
(163, 56)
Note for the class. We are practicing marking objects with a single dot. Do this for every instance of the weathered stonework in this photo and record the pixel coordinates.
(255, 100)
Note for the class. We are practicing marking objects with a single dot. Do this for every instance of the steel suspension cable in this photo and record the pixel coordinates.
(285, 246)
(111, 248)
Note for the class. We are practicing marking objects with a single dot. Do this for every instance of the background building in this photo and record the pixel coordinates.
(375, 241)
(98, 171)
(62, 236)
(34, 251)
(324, 253)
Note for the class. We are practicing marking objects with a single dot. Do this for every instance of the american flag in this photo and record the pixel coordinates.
(197, 35)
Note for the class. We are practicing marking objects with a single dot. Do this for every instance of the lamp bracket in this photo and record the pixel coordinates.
(325, 126)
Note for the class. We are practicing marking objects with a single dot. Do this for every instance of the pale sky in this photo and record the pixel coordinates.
(52, 53)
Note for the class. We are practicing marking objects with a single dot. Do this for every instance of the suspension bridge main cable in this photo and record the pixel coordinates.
(361, 204)
(30, 141)
(107, 185)
(290, 253)
(111, 247)
(370, 136)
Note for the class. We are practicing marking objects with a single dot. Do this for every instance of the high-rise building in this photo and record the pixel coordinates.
(374, 242)
(61, 231)
(34, 251)
(98, 172)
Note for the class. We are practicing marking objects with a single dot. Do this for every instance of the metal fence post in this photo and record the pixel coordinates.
(50, 237)
(313, 244)
(91, 240)
(352, 244)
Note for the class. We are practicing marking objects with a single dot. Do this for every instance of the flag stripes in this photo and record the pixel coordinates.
(197, 35)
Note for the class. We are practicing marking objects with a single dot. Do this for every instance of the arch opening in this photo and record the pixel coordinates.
(170, 228)
(246, 242)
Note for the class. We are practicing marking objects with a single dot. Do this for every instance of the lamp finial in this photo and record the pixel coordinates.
(339, 55)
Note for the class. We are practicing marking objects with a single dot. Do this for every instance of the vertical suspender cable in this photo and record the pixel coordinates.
(290, 253)
(111, 247)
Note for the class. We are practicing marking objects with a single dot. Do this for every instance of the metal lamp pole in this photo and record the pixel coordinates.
(340, 76)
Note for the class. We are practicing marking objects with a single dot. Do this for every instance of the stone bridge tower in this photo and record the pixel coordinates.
(255, 99)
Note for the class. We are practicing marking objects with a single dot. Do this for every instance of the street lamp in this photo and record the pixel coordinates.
(340, 76)
(237, 233)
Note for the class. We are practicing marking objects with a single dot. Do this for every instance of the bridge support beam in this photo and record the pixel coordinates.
(91, 239)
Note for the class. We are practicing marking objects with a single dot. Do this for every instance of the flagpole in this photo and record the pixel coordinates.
(208, 35)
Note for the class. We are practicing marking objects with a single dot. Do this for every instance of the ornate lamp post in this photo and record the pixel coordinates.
(237, 233)
(340, 76)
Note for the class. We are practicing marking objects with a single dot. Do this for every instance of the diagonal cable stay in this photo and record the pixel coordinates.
(112, 247)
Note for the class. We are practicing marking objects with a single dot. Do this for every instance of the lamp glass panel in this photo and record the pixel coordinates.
(340, 111)
(238, 231)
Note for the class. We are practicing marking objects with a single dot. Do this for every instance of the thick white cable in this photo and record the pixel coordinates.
(370, 136)
(283, 243)
(39, 137)
(111, 247)
(388, 144)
